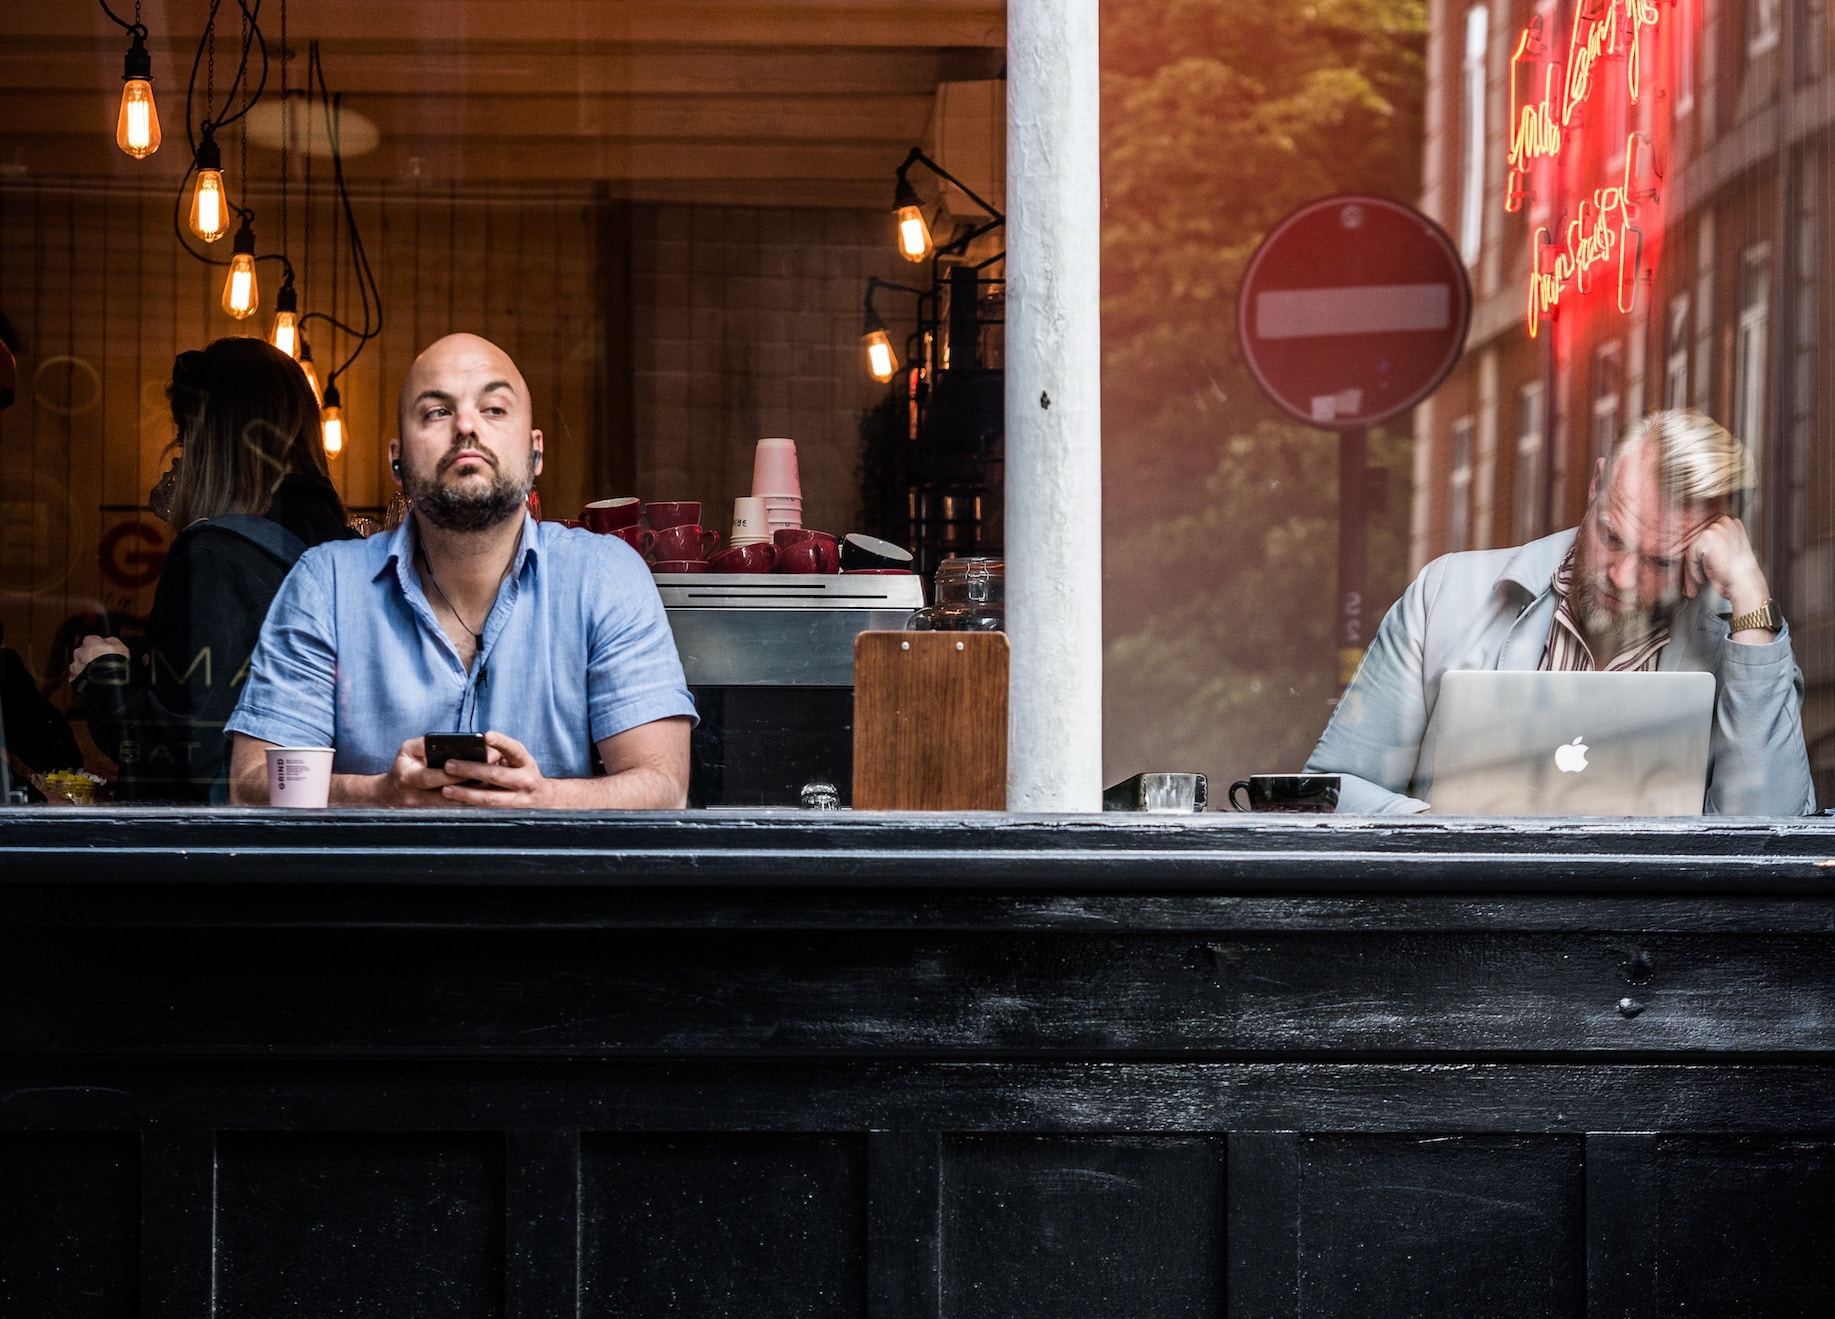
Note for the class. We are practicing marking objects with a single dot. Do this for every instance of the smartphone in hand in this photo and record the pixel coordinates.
(442, 747)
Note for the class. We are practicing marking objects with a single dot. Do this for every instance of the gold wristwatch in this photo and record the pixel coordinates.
(1765, 616)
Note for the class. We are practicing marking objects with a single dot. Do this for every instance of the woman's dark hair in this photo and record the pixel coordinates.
(247, 421)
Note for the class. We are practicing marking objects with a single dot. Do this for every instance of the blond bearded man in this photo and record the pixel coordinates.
(1659, 575)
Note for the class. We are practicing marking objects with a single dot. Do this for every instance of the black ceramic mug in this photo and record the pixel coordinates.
(1315, 793)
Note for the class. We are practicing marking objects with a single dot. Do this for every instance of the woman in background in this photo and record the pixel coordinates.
(251, 495)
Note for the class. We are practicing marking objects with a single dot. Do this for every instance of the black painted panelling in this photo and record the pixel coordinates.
(741, 1227)
(1745, 1228)
(342, 1226)
(1223, 852)
(1440, 1227)
(570, 992)
(69, 1223)
(1063, 1226)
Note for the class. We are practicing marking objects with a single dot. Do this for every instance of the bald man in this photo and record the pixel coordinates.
(470, 617)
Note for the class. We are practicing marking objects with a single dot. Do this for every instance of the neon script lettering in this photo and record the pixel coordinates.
(1548, 119)
(1603, 231)
(1535, 131)
(1616, 25)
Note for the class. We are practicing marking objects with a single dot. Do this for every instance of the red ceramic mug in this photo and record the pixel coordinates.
(756, 557)
(640, 539)
(684, 542)
(827, 548)
(612, 514)
(805, 556)
(679, 565)
(673, 513)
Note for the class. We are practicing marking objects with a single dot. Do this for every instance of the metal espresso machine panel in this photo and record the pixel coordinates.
(770, 661)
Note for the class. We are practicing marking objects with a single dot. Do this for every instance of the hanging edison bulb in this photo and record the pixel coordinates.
(209, 207)
(285, 334)
(137, 126)
(914, 243)
(882, 362)
(312, 376)
(331, 422)
(241, 292)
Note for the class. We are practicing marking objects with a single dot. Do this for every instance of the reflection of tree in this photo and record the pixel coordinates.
(1219, 117)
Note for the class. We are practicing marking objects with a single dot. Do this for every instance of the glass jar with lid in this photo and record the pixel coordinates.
(971, 596)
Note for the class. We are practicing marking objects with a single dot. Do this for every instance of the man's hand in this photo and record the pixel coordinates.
(512, 778)
(1720, 555)
(92, 648)
(411, 781)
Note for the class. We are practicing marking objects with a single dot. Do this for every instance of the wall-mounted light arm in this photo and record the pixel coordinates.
(917, 157)
(882, 361)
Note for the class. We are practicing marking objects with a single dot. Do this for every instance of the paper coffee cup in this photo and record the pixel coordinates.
(299, 776)
(748, 521)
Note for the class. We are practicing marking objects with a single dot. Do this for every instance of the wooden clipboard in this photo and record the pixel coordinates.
(930, 721)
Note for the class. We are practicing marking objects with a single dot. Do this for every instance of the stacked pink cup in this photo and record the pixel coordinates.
(775, 480)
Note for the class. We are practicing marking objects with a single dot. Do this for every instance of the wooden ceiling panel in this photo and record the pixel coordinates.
(449, 68)
(887, 118)
(765, 101)
(500, 23)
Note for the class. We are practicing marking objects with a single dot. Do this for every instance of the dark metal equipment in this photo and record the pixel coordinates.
(769, 659)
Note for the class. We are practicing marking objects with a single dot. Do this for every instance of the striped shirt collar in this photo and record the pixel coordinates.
(1567, 651)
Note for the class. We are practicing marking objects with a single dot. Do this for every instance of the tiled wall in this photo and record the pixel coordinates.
(746, 323)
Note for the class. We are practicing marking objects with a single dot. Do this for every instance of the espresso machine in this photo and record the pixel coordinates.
(769, 659)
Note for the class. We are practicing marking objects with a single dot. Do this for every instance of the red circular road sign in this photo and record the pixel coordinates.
(1353, 309)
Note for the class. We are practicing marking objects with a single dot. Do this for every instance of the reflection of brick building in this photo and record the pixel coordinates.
(1728, 314)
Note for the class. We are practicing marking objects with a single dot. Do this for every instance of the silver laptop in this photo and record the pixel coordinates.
(1515, 743)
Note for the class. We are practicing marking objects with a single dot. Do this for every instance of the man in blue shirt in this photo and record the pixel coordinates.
(471, 616)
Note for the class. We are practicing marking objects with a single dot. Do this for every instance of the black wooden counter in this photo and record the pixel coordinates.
(815, 1065)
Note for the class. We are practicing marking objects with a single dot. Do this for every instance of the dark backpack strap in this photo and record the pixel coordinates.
(268, 535)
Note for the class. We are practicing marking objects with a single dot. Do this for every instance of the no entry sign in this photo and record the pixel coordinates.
(1353, 309)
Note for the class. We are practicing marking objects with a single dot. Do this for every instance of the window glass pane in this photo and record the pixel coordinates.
(674, 221)
(1647, 284)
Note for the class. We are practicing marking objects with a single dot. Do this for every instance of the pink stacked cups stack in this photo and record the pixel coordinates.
(775, 480)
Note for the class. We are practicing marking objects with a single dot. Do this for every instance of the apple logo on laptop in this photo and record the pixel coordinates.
(1571, 758)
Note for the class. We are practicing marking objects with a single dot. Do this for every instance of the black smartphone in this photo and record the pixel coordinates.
(442, 747)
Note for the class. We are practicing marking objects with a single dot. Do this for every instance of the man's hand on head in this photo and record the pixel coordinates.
(1721, 556)
(512, 778)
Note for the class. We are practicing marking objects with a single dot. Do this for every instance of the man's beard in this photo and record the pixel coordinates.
(1615, 629)
(469, 510)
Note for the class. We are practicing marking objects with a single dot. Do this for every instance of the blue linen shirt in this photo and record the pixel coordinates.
(576, 648)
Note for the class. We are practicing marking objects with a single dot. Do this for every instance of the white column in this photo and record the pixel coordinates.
(1054, 418)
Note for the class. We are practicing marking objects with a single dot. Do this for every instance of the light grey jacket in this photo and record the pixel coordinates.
(1491, 609)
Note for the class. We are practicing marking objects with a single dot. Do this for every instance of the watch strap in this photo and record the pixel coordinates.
(1765, 616)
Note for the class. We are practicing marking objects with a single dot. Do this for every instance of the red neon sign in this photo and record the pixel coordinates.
(1548, 129)
(1601, 231)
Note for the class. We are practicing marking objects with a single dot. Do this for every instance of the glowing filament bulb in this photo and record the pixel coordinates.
(209, 215)
(913, 234)
(137, 125)
(882, 362)
(331, 421)
(137, 128)
(312, 376)
(285, 335)
(241, 292)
